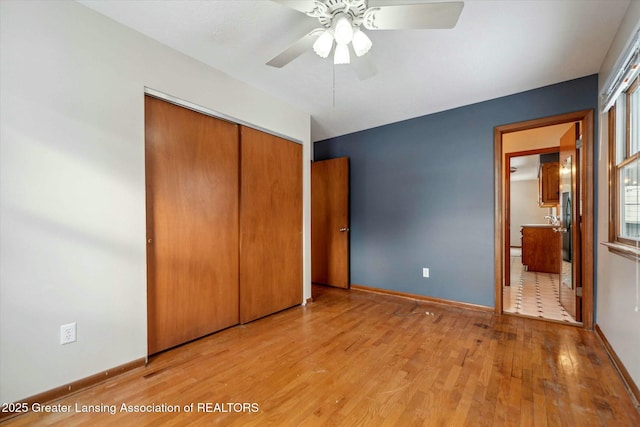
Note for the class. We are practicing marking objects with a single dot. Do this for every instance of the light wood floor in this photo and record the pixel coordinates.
(356, 358)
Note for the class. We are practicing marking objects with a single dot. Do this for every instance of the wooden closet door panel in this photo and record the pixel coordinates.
(192, 170)
(270, 224)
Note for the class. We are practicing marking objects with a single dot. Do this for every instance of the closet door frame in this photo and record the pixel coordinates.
(216, 114)
(213, 113)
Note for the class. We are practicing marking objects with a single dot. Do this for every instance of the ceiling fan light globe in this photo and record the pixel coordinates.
(343, 30)
(341, 55)
(323, 44)
(361, 43)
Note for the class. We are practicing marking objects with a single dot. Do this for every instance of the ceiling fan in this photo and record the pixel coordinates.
(342, 20)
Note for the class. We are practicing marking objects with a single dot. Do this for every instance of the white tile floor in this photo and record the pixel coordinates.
(533, 294)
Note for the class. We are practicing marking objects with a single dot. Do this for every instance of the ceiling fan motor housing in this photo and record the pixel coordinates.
(326, 11)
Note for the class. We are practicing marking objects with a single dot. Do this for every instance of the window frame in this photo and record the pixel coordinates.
(624, 246)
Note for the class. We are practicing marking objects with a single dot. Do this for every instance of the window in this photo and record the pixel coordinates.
(621, 98)
(624, 154)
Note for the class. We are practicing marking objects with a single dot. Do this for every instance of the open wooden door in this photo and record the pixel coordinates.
(191, 163)
(330, 222)
(569, 213)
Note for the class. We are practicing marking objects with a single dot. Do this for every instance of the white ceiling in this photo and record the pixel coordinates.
(497, 48)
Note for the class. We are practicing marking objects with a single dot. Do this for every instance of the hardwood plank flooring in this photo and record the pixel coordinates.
(358, 358)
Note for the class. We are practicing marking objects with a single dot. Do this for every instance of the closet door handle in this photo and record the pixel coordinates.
(344, 229)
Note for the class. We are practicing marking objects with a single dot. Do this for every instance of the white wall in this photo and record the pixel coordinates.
(524, 208)
(616, 279)
(72, 219)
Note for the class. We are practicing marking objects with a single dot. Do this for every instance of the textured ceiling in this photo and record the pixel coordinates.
(497, 48)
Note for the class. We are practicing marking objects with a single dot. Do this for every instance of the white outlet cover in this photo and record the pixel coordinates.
(425, 272)
(68, 333)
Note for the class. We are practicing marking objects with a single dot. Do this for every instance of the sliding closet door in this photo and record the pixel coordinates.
(192, 224)
(270, 224)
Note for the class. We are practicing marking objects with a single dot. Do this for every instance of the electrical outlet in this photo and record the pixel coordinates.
(68, 333)
(425, 272)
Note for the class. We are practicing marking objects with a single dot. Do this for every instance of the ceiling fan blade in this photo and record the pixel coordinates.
(364, 66)
(413, 16)
(304, 6)
(299, 47)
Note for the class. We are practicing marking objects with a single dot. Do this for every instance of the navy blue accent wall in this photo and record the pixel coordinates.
(422, 192)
